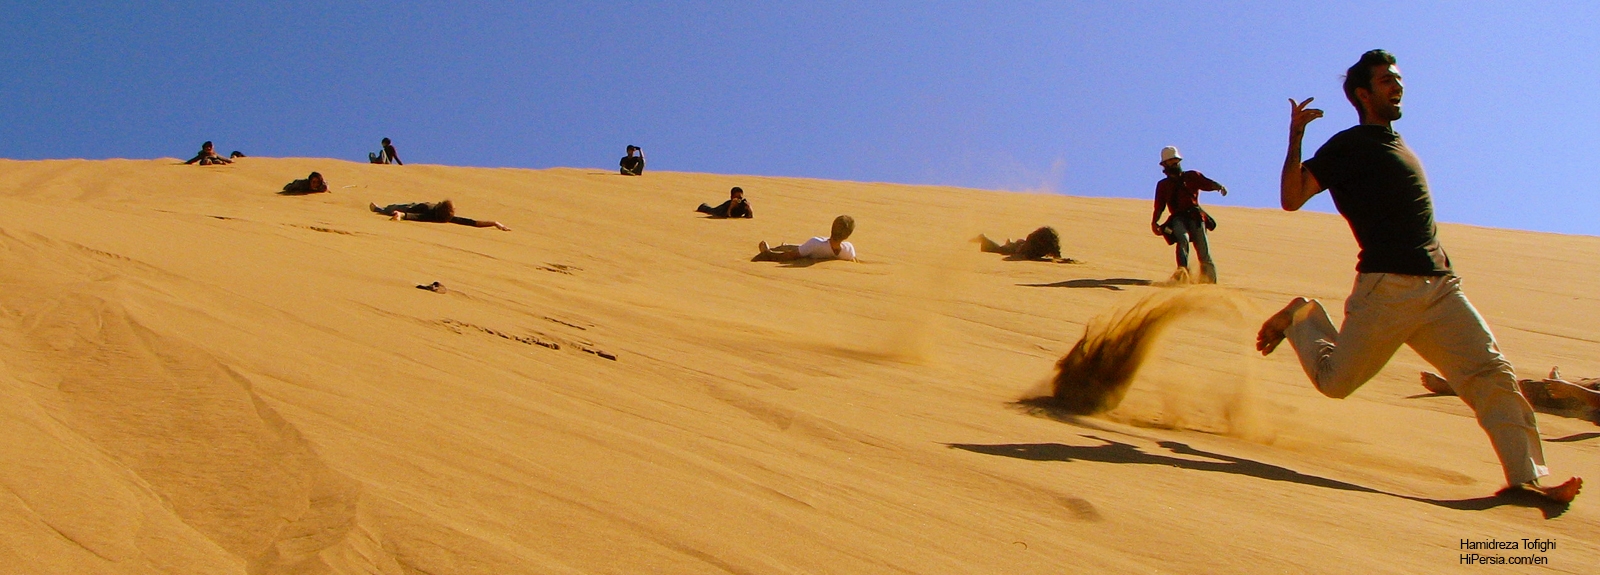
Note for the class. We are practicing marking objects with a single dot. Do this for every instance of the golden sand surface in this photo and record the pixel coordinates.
(202, 376)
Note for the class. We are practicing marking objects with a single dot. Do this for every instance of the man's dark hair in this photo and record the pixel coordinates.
(1043, 243)
(385, 141)
(736, 190)
(440, 212)
(1360, 76)
(314, 175)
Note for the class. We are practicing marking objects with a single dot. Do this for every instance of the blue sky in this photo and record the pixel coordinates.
(1073, 98)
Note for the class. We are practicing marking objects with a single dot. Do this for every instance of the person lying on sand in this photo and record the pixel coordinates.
(735, 207)
(313, 184)
(1042, 244)
(236, 155)
(208, 156)
(818, 248)
(1549, 393)
(439, 212)
(633, 165)
(1406, 292)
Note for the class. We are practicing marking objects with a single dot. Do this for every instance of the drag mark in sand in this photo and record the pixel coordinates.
(457, 326)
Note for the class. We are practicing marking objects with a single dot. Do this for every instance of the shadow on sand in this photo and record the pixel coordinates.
(1113, 284)
(1124, 453)
(1575, 437)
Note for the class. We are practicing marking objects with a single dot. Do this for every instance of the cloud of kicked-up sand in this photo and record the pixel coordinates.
(1096, 375)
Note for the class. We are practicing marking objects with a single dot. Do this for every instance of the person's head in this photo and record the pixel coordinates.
(736, 193)
(1042, 243)
(1373, 86)
(843, 226)
(440, 212)
(315, 179)
(632, 149)
(206, 147)
(385, 141)
(1171, 161)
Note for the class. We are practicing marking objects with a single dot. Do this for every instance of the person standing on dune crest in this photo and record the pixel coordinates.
(1179, 193)
(1405, 291)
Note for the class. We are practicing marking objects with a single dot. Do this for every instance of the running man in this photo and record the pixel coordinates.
(1405, 291)
(1179, 193)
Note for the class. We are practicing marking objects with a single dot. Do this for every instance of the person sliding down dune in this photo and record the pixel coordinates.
(735, 207)
(313, 184)
(1043, 244)
(440, 212)
(208, 156)
(1551, 393)
(818, 248)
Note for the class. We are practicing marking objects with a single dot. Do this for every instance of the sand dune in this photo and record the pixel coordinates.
(198, 375)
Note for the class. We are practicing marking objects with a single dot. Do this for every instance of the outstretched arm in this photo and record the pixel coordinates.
(1298, 184)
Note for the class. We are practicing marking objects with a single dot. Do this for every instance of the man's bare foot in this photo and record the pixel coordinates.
(1433, 383)
(1563, 493)
(374, 208)
(1271, 333)
(764, 247)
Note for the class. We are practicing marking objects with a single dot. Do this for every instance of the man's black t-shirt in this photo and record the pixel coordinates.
(1380, 189)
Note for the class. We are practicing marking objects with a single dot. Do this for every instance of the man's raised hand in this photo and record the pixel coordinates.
(1300, 115)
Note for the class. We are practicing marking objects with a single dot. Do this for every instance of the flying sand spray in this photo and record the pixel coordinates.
(1095, 376)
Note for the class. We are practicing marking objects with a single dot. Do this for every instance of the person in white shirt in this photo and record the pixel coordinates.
(832, 247)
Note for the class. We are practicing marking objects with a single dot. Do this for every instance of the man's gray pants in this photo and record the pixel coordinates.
(1187, 229)
(1430, 314)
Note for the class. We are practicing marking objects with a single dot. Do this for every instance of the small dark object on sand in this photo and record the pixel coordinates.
(435, 287)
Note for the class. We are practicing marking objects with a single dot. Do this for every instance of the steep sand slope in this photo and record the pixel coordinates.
(201, 376)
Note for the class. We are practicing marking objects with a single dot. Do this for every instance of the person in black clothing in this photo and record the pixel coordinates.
(208, 156)
(1043, 244)
(387, 156)
(313, 184)
(735, 207)
(438, 212)
(633, 165)
(1405, 292)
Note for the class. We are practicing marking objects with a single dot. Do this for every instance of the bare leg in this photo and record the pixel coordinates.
(987, 245)
(1271, 333)
(1569, 390)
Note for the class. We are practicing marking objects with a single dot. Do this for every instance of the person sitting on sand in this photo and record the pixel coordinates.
(1043, 244)
(389, 155)
(439, 212)
(1551, 393)
(208, 156)
(818, 248)
(313, 184)
(633, 165)
(735, 207)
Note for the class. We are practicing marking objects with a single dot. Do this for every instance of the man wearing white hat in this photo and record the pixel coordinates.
(1179, 193)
